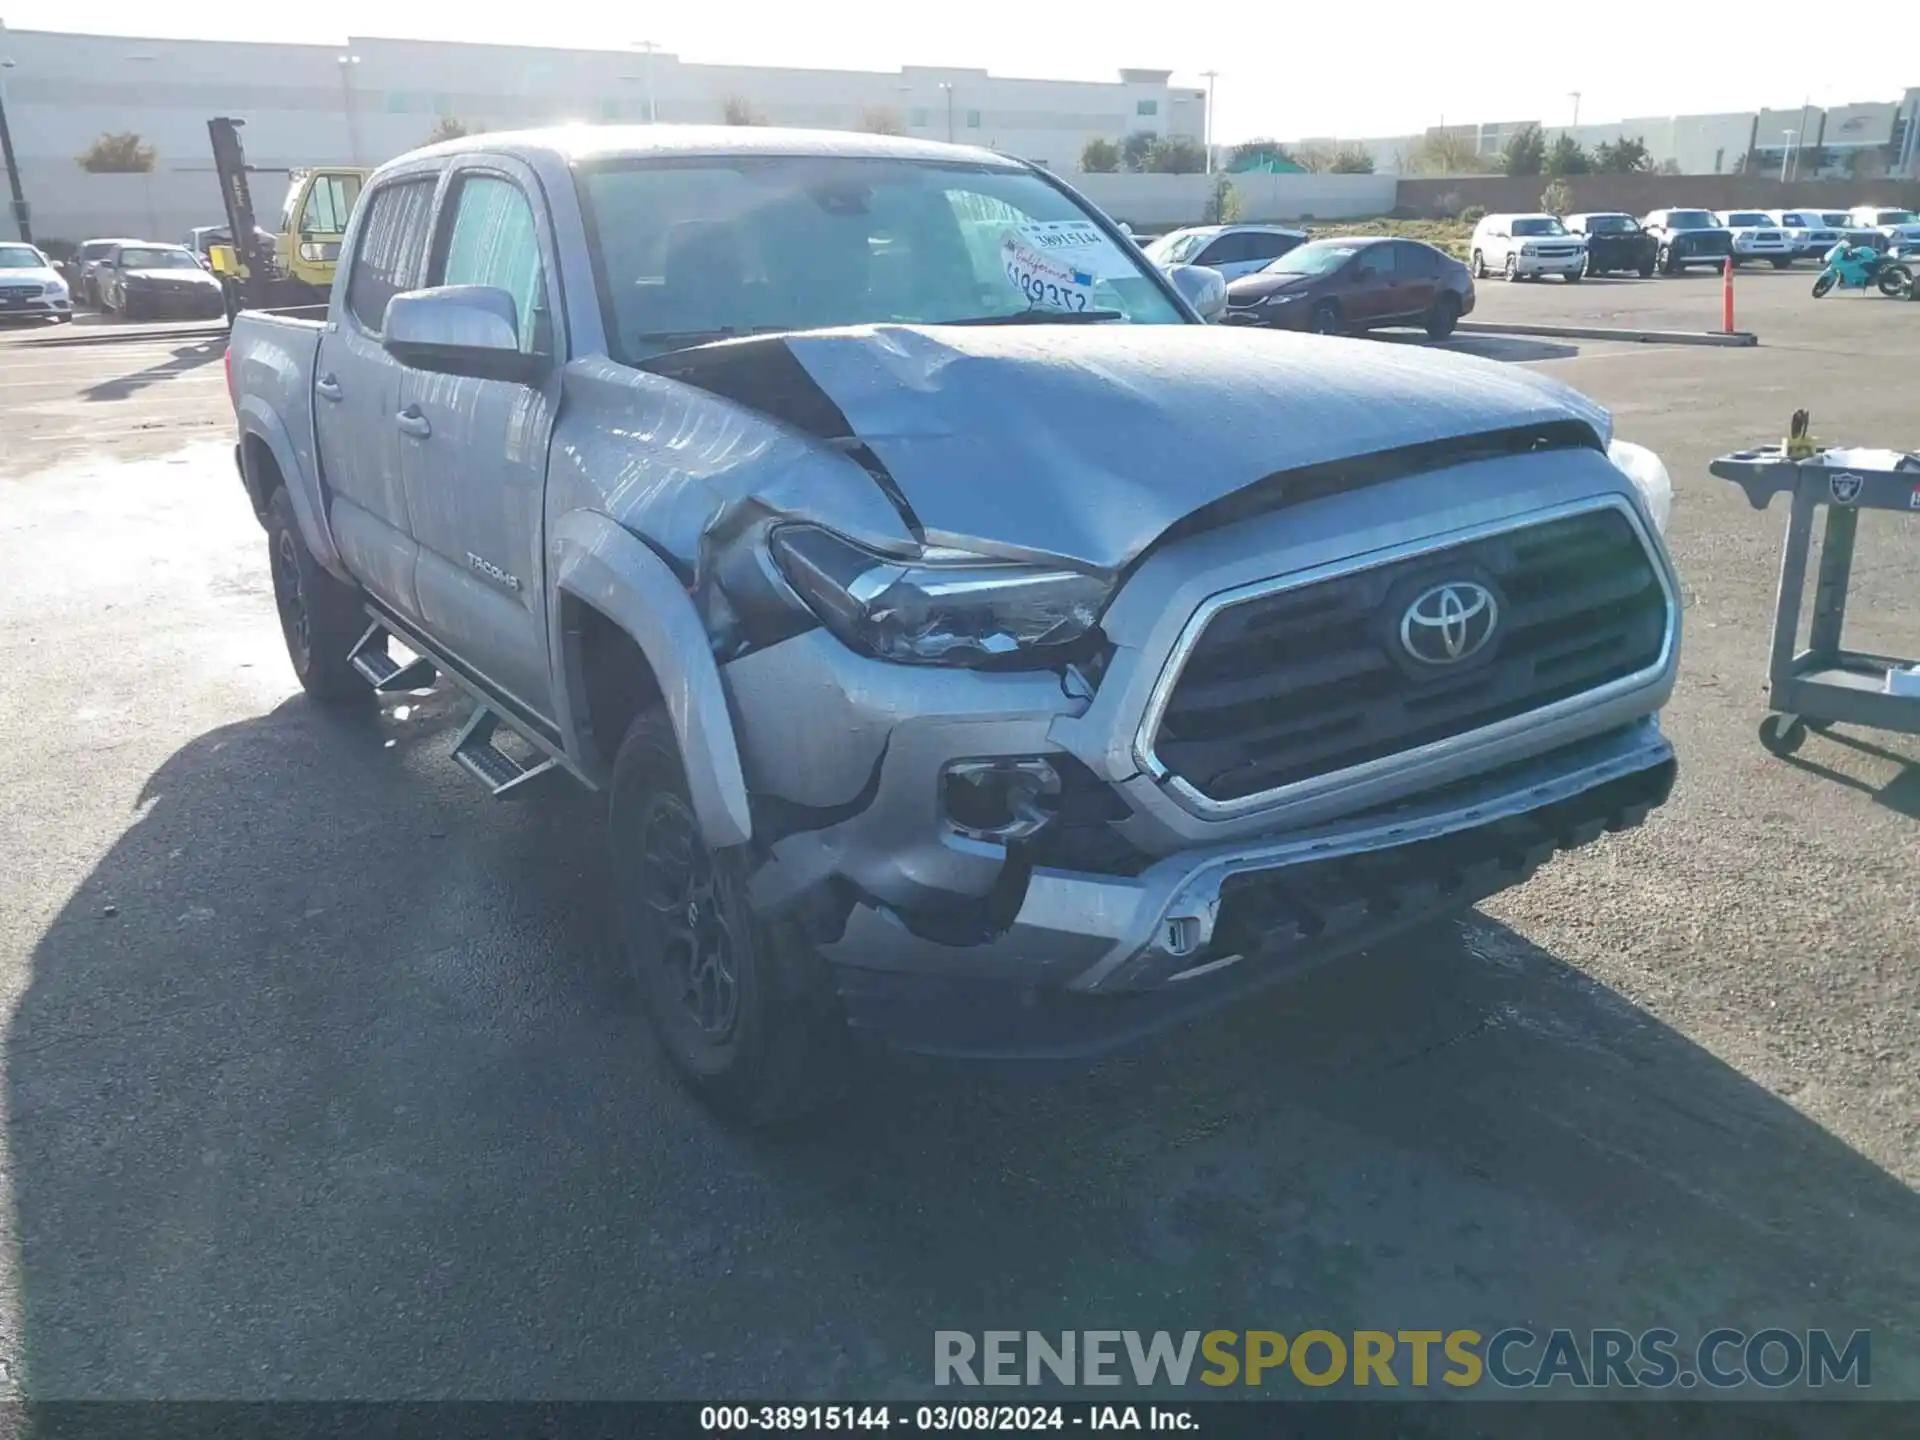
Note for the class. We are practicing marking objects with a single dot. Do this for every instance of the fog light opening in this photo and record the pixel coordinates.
(1000, 800)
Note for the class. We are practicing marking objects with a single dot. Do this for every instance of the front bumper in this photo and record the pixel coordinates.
(1291, 316)
(35, 307)
(1549, 264)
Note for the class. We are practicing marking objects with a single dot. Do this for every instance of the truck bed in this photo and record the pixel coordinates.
(271, 359)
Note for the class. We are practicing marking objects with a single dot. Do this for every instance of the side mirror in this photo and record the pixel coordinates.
(1125, 228)
(1205, 290)
(468, 330)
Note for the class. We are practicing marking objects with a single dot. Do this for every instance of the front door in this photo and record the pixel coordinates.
(474, 452)
(1374, 296)
(357, 392)
(1417, 277)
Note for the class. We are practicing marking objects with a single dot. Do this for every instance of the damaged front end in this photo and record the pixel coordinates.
(951, 630)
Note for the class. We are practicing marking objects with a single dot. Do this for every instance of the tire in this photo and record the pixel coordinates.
(1587, 267)
(1444, 315)
(1823, 283)
(1782, 734)
(320, 617)
(1511, 270)
(1894, 281)
(1325, 319)
(743, 1008)
(1478, 266)
(1665, 261)
(1782, 262)
(1574, 277)
(1646, 270)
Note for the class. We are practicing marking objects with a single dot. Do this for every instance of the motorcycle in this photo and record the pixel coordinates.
(1860, 267)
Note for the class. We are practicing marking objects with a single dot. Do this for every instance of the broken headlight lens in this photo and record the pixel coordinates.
(944, 608)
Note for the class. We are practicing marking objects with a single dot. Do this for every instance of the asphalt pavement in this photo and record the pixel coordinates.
(322, 1080)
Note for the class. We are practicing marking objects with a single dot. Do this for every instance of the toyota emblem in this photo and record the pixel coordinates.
(1449, 623)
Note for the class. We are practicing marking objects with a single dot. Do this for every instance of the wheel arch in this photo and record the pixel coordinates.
(612, 591)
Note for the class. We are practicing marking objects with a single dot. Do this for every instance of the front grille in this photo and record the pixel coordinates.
(19, 292)
(1558, 250)
(1311, 680)
(1709, 243)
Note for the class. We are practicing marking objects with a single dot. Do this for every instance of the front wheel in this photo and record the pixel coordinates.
(1479, 266)
(1825, 283)
(1665, 261)
(1511, 269)
(320, 616)
(744, 1010)
(1443, 317)
(1782, 262)
(1572, 275)
(1894, 281)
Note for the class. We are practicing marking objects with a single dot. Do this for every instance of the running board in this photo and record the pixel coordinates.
(369, 656)
(475, 753)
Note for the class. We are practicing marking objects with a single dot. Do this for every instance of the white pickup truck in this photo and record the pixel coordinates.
(974, 647)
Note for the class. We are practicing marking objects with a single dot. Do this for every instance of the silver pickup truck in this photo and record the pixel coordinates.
(975, 647)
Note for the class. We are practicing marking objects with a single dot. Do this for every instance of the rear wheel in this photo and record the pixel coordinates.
(1894, 281)
(320, 616)
(744, 1010)
(1822, 285)
(1444, 315)
(1325, 319)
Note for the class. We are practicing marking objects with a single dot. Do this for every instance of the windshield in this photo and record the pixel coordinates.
(1612, 225)
(1835, 217)
(1894, 217)
(1689, 220)
(132, 259)
(94, 249)
(1749, 217)
(1177, 248)
(1538, 225)
(693, 250)
(21, 257)
(1319, 257)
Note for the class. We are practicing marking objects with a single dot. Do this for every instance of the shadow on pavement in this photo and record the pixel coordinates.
(185, 358)
(326, 1085)
(1900, 794)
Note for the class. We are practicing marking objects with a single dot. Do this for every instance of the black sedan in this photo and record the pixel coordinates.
(1352, 284)
(151, 282)
(1615, 243)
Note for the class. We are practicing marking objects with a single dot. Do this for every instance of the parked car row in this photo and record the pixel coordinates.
(144, 280)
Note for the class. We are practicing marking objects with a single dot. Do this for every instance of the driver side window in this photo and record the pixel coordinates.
(494, 240)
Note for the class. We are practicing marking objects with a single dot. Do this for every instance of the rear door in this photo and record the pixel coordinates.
(1416, 278)
(1228, 254)
(1262, 248)
(474, 452)
(357, 393)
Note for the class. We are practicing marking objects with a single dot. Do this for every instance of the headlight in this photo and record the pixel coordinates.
(944, 608)
(1528, 250)
(1284, 297)
(1649, 477)
(54, 287)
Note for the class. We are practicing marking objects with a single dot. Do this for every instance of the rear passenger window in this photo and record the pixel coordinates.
(493, 242)
(1416, 261)
(387, 255)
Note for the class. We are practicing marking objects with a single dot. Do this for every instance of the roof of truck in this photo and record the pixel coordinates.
(574, 143)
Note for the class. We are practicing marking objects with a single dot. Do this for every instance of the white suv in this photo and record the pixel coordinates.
(1756, 236)
(1523, 246)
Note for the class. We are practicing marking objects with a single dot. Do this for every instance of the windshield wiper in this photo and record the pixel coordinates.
(1040, 317)
(684, 339)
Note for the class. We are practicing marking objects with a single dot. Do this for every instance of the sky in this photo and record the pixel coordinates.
(1388, 67)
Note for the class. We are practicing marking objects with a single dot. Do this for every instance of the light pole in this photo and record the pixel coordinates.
(13, 165)
(646, 49)
(1206, 122)
(949, 89)
(1785, 154)
(346, 64)
(1575, 94)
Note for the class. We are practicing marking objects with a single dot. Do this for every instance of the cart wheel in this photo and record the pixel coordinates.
(1782, 734)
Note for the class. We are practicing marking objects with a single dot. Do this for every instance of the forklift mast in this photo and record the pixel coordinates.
(230, 165)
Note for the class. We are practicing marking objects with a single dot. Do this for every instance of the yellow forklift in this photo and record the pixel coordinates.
(297, 267)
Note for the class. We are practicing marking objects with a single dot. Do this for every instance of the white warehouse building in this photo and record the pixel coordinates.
(369, 99)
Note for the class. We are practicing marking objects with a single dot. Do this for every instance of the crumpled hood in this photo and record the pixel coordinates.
(1087, 442)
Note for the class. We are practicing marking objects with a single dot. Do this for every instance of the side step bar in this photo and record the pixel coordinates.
(475, 753)
(369, 656)
(474, 750)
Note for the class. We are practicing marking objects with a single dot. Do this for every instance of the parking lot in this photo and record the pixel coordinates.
(321, 1081)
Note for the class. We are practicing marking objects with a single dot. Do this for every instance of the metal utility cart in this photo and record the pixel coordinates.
(1825, 684)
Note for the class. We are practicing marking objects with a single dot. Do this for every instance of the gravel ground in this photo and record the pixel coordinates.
(321, 1081)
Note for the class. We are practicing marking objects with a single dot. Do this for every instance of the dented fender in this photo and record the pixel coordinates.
(604, 566)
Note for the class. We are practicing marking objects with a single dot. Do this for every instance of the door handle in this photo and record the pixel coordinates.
(412, 422)
(327, 388)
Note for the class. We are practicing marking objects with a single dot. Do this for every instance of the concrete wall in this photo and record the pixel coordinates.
(369, 99)
(69, 204)
(1163, 201)
(1637, 194)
